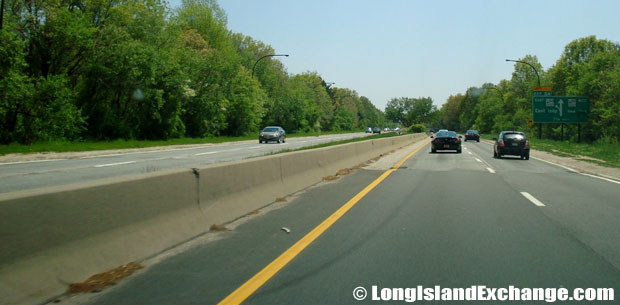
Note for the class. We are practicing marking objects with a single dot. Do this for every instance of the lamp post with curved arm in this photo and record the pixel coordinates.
(538, 77)
(527, 63)
(268, 55)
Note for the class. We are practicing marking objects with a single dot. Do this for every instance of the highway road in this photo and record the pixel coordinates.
(15, 176)
(446, 219)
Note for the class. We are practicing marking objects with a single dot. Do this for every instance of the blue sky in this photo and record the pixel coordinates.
(395, 48)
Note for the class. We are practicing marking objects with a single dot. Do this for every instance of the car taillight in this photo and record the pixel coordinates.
(527, 143)
(501, 142)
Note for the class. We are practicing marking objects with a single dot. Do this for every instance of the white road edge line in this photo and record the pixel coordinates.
(206, 153)
(532, 199)
(492, 171)
(602, 178)
(35, 161)
(255, 147)
(114, 164)
(560, 165)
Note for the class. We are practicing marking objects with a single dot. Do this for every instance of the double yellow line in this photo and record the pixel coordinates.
(248, 288)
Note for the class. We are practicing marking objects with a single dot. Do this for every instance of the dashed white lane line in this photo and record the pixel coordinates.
(255, 147)
(469, 152)
(206, 153)
(492, 171)
(532, 199)
(478, 160)
(114, 164)
(35, 161)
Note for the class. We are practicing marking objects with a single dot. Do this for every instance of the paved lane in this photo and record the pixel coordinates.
(32, 175)
(441, 219)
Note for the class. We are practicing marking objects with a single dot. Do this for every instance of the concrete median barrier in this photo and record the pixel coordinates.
(55, 236)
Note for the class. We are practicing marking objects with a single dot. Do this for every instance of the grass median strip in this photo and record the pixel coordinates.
(259, 279)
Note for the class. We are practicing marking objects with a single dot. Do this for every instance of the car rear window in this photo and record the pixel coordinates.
(270, 129)
(514, 136)
(472, 131)
(446, 134)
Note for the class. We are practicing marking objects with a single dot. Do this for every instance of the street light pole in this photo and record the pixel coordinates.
(527, 63)
(1, 14)
(538, 77)
(269, 55)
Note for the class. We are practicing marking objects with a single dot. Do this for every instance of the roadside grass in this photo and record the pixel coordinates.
(77, 146)
(598, 153)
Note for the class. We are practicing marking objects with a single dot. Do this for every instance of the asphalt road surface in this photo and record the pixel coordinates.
(447, 219)
(16, 176)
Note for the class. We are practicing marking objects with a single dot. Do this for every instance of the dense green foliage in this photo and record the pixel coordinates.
(408, 111)
(588, 67)
(135, 69)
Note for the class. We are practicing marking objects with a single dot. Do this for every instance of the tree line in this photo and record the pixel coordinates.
(137, 69)
(588, 67)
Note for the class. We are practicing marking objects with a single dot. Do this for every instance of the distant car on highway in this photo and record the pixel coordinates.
(272, 133)
(513, 143)
(368, 130)
(472, 135)
(446, 140)
(376, 130)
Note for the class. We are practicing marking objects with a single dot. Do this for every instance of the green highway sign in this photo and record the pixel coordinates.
(560, 109)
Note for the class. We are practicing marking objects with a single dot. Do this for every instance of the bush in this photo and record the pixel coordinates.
(417, 128)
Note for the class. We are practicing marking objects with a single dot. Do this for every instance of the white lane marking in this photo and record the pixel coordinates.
(556, 164)
(140, 152)
(602, 178)
(255, 147)
(532, 199)
(206, 153)
(114, 164)
(35, 161)
(492, 171)
(478, 160)
(469, 152)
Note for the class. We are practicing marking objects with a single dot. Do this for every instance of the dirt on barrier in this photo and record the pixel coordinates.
(101, 280)
(219, 228)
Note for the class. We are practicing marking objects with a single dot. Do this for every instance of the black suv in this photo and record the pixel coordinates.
(513, 143)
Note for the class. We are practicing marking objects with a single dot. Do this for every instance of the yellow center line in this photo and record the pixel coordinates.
(259, 279)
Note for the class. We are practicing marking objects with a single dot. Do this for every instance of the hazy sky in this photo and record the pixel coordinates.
(386, 49)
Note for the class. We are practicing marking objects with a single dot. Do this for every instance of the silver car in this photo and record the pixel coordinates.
(272, 133)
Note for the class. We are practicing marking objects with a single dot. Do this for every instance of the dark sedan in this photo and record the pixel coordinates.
(472, 135)
(272, 133)
(446, 140)
(513, 143)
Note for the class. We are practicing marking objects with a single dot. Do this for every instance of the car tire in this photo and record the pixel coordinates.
(458, 151)
(527, 156)
(260, 142)
(465, 139)
(284, 140)
(433, 150)
(494, 154)
(478, 140)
